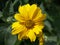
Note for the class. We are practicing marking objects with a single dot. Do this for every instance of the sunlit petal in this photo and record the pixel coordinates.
(38, 28)
(17, 28)
(31, 35)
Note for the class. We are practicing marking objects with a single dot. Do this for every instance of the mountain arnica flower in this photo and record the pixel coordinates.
(29, 23)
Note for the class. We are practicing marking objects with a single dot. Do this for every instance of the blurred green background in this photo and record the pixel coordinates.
(52, 23)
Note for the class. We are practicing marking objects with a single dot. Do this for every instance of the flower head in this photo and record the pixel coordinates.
(29, 22)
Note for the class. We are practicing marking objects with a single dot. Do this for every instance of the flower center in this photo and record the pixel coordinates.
(29, 24)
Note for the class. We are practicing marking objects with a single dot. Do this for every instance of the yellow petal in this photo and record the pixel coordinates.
(17, 28)
(15, 24)
(31, 35)
(19, 18)
(38, 28)
(22, 35)
(27, 7)
(41, 39)
(32, 10)
(35, 13)
(40, 16)
(24, 10)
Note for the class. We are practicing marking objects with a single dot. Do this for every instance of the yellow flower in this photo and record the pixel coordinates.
(29, 22)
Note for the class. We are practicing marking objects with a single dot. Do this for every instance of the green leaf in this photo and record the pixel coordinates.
(9, 38)
(48, 25)
(15, 1)
(6, 38)
(50, 40)
(1, 14)
(25, 1)
(42, 7)
(11, 10)
(18, 42)
(6, 9)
